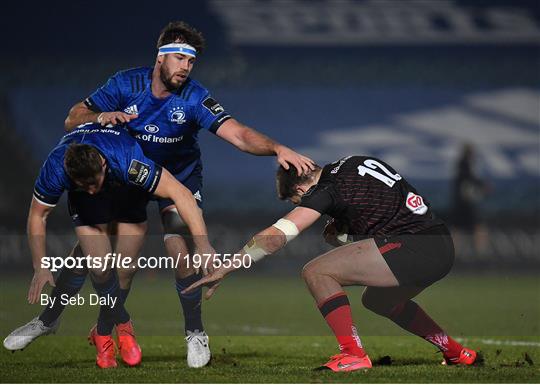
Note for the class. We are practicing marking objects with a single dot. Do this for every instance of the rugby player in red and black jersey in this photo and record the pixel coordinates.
(388, 239)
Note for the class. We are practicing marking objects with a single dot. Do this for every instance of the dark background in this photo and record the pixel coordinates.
(407, 81)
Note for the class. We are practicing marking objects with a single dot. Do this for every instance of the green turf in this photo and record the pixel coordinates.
(267, 330)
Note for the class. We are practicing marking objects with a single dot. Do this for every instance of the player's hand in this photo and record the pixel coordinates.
(335, 233)
(40, 278)
(212, 280)
(115, 117)
(330, 233)
(208, 256)
(286, 156)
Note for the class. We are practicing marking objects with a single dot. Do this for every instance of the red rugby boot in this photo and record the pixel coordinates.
(347, 363)
(105, 347)
(466, 357)
(130, 351)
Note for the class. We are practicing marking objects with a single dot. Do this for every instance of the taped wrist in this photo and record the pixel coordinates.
(255, 251)
(288, 228)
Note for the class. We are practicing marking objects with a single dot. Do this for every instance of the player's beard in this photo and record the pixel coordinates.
(168, 81)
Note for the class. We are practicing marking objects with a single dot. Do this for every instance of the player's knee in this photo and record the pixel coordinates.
(374, 304)
(100, 276)
(310, 272)
(125, 276)
(173, 225)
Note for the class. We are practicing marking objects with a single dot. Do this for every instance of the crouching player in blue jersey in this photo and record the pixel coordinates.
(387, 238)
(108, 179)
(164, 109)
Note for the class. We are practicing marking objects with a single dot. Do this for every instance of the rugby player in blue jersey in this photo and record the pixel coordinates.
(108, 179)
(164, 109)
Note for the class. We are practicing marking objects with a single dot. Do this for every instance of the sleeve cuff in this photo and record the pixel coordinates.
(91, 105)
(40, 199)
(218, 122)
(155, 181)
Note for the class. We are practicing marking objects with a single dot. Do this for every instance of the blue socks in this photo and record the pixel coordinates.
(191, 303)
(68, 283)
(109, 314)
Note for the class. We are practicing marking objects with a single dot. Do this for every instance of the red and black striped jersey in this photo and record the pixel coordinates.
(370, 198)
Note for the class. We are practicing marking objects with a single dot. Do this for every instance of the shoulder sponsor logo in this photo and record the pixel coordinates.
(213, 106)
(177, 115)
(151, 128)
(336, 169)
(416, 204)
(138, 172)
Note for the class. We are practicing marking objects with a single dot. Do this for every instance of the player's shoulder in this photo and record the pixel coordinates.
(134, 79)
(341, 164)
(136, 71)
(193, 91)
(55, 159)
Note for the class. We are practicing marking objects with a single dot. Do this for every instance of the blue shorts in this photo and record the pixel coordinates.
(193, 183)
(124, 203)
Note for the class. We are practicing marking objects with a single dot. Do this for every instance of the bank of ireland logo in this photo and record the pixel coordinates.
(177, 115)
(151, 128)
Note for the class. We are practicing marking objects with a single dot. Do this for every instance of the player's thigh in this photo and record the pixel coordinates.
(129, 242)
(358, 263)
(382, 300)
(419, 259)
(170, 219)
(95, 242)
(130, 238)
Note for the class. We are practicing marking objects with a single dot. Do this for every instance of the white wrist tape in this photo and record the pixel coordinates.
(255, 251)
(288, 228)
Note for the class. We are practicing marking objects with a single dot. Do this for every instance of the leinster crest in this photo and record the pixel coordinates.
(177, 115)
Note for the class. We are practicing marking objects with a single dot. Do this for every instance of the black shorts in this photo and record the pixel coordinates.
(193, 183)
(419, 259)
(125, 203)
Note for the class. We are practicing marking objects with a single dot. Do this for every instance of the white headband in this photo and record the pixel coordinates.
(182, 48)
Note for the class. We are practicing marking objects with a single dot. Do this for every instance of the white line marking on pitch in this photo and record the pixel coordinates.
(501, 342)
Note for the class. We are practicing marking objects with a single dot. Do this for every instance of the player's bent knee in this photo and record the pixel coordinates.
(173, 225)
(310, 272)
(375, 305)
(99, 275)
(125, 277)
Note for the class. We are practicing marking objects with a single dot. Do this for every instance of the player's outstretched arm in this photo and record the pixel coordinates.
(266, 242)
(80, 114)
(36, 231)
(168, 187)
(249, 140)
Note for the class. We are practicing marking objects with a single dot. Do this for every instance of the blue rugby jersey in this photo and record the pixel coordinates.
(166, 129)
(126, 162)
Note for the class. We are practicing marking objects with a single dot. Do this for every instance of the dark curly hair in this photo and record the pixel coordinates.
(179, 31)
(288, 180)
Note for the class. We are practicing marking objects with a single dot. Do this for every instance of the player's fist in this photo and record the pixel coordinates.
(40, 278)
(115, 117)
(335, 233)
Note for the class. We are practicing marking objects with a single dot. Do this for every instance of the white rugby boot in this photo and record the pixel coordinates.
(23, 336)
(198, 350)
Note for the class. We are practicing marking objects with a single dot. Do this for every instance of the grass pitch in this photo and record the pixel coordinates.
(268, 330)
